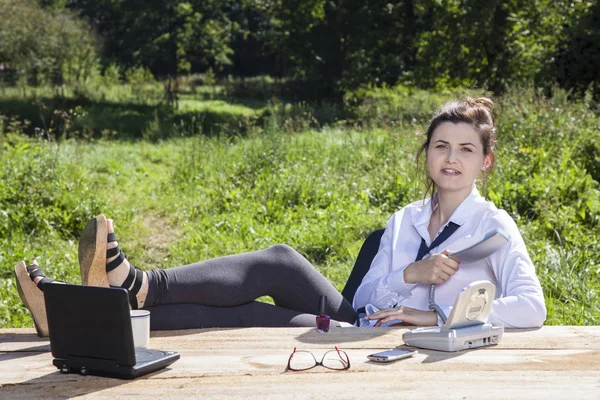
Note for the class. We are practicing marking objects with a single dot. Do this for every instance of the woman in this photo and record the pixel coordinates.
(221, 292)
(459, 147)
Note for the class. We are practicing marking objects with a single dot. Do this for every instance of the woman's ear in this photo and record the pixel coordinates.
(487, 161)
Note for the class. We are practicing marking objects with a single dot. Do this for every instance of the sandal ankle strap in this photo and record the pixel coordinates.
(32, 267)
(43, 282)
(130, 277)
(134, 276)
(37, 272)
(139, 276)
(116, 262)
(112, 252)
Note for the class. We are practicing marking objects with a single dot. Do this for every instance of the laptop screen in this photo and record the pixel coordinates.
(89, 321)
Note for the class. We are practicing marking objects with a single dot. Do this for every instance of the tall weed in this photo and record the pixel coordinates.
(544, 181)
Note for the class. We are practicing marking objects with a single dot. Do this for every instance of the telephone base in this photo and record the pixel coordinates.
(468, 337)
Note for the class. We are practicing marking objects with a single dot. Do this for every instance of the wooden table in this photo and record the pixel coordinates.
(552, 362)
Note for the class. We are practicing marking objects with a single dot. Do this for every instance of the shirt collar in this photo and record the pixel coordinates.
(461, 215)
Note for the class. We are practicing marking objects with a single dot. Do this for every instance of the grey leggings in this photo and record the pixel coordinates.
(221, 292)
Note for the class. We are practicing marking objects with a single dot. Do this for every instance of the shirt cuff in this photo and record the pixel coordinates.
(403, 289)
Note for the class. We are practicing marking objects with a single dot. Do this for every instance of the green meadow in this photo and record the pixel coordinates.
(219, 173)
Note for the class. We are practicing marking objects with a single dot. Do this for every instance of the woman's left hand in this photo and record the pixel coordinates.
(408, 316)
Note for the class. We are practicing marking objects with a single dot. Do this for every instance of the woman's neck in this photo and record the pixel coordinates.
(447, 203)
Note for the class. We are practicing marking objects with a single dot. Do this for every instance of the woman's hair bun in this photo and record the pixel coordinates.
(482, 101)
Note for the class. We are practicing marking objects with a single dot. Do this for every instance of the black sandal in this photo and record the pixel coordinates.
(31, 294)
(135, 274)
(35, 271)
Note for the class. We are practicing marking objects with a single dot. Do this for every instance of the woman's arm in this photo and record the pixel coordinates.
(383, 286)
(408, 316)
(388, 282)
(521, 304)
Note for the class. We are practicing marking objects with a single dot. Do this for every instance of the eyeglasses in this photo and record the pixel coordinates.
(301, 360)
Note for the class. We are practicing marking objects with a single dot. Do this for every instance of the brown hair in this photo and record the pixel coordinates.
(475, 112)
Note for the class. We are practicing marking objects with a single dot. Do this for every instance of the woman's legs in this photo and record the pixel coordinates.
(221, 290)
(253, 314)
(279, 272)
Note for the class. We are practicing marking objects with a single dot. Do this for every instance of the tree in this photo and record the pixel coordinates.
(367, 43)
(167, 36)
(44, 45)
(578, 57)
(492, 44)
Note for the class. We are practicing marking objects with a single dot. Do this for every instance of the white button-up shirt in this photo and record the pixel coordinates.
(519, 298)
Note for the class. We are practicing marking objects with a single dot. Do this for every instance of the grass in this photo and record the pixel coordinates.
(320, 188)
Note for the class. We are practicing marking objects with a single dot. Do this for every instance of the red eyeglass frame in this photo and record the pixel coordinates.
(345, 360)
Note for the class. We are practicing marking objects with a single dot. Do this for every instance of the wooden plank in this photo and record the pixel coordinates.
(23, 367)
(548, 337)
(417, 384)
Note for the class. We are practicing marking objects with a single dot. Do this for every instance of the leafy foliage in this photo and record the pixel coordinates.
(44, 46)
(326, 47)
(577, 62)
(168, 37)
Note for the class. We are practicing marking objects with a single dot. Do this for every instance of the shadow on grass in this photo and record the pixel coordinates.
(127, 121)
(243, 107)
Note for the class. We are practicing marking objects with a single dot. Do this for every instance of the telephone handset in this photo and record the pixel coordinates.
(491, 242)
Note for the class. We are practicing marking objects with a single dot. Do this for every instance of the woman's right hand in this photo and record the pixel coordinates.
(437, 268)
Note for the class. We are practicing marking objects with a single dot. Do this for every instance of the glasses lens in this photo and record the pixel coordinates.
(334, 360)
(302, 360)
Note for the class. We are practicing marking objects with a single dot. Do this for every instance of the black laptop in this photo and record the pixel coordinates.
(90, 333)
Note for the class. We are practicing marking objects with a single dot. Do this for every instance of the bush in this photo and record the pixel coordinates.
(45, 195)
(389, 105)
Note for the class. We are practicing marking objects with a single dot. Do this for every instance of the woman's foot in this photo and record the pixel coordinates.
(30, 284)
(121, 273)
(102, 263)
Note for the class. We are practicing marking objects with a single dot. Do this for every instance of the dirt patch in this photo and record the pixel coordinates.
(155, 235)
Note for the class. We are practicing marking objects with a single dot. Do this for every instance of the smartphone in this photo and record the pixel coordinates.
(391, 355)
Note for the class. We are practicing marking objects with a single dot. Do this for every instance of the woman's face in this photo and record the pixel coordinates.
(455, 157)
